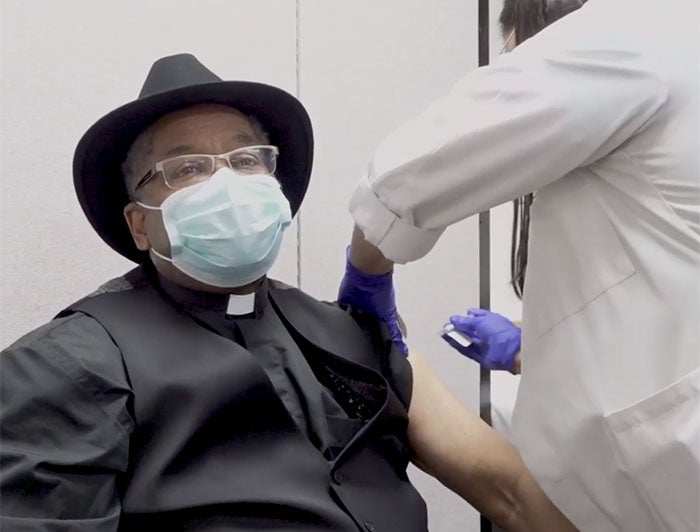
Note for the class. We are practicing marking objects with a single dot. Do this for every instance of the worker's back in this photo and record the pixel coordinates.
(607, 413)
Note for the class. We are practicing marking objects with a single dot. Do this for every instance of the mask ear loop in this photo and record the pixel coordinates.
(160, 256)
(153, 250)
(150, 207)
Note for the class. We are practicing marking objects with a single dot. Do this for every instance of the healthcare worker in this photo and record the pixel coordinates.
(599, 114)
(495, 340)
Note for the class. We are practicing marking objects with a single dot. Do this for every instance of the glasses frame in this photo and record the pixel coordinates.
(158, 167)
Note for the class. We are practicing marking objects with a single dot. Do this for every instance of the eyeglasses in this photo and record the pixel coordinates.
(187, 170)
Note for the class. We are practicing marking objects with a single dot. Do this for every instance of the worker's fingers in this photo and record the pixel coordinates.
(466, 324)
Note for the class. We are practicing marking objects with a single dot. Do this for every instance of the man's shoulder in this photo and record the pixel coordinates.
(279, 287)
(128, 283)
(315, 312)
(381, 353)
(69, 363)
(135, 278)
(76, 346)
(71, 327)
(367, 322)
(118, 284)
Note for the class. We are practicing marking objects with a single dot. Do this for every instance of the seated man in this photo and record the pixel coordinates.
(194, 393)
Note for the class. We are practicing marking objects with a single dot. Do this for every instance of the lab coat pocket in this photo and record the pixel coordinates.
(659, 439)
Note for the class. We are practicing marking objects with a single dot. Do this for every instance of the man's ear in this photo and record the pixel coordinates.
(136, 220)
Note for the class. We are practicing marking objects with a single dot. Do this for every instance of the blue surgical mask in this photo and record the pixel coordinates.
(227, 231)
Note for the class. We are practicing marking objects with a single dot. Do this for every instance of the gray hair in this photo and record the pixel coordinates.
(142, 147)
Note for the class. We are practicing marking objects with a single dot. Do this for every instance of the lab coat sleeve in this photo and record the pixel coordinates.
(503, 131)
(64, 429)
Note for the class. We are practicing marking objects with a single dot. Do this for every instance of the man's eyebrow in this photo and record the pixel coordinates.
(246, 138)
(179, 150)
(183, 149)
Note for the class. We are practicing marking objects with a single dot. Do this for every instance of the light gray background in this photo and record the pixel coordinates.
(360, 67)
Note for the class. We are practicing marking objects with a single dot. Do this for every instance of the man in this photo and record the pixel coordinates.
(196, 394)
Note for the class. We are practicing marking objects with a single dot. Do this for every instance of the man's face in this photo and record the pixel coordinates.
(204, 129)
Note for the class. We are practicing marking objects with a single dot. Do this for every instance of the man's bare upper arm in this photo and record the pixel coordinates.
(440, 427)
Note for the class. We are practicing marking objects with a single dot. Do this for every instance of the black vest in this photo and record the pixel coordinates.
(215, 449)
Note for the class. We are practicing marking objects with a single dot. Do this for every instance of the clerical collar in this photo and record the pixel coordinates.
(240, 305)
(229, 305)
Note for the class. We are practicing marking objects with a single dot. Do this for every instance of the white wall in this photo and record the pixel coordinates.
(361, 68)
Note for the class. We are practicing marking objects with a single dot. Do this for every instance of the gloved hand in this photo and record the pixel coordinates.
(495, 339)
(373, 294)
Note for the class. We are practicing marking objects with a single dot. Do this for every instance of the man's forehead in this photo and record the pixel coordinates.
(176, 132)
(204, 114)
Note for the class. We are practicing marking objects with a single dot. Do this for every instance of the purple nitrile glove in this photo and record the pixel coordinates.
(374, 295)
(495, 339)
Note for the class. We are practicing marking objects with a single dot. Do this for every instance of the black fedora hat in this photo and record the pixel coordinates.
(173, 83)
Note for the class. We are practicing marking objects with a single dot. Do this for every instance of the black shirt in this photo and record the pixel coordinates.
(65, 420)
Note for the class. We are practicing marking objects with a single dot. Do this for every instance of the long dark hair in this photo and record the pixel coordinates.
(525, 18)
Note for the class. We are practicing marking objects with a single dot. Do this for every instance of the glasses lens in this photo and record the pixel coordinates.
(187, 170)
(258, 160)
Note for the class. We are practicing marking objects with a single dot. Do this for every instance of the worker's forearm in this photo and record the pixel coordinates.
(366, 257)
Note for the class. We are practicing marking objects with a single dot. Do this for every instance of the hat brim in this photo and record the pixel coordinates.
(97, 174)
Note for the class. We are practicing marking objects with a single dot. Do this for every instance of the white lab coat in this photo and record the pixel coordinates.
(599, 114)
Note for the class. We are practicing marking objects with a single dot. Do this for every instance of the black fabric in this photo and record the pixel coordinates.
(303, 389)
(64, 428)
(367, 342)
(210, 444)
(305, 398)
(174, 83)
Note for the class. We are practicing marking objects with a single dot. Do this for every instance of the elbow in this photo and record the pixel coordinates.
(508, 489)
(512, 514)
(525, 507)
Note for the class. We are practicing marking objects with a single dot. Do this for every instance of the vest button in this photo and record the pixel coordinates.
(369, 526)
(339, 477)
